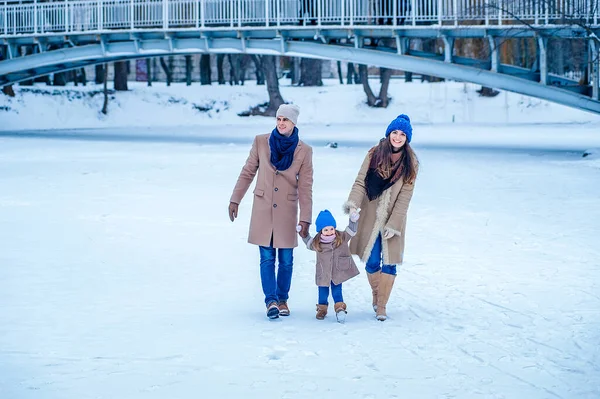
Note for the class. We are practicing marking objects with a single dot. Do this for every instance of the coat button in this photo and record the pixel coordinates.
(276, 172)
(276, 189)
(274, 205)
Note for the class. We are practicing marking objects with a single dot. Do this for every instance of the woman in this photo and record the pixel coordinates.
(383, 190)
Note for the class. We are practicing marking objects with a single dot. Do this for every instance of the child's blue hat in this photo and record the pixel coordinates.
(325, 219)
(402, 122)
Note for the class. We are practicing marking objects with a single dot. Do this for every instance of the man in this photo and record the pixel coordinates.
(285, 179)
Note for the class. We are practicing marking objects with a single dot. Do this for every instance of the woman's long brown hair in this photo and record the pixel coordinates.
(317, 241)
(382, 161)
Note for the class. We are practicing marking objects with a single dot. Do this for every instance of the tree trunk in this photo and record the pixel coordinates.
(83, 77)
(408, 77)
(99, 78)
(386, 75)
(120, 78)
(105, 79)
(188, 70)
(60, 79)
(260, 74)
(235, 66)
(220, 73)
(310, 72)
(205, 73)
(339, 68)
(352, 76)
(149, 71)
(8, 90)
(364, 75)
(270, 71)
(167, 70)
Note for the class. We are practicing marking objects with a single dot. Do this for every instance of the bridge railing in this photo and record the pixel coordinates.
(73, 16)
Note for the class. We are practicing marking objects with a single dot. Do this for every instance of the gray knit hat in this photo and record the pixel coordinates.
(289, 111)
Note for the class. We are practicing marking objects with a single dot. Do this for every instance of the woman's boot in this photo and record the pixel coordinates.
(374, 281)
(386, 282)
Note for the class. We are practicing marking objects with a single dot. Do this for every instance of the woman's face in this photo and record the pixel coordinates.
(284, 125)
(397, 138)
(328, 231)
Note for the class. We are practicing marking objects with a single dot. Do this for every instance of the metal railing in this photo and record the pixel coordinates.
(76, 16)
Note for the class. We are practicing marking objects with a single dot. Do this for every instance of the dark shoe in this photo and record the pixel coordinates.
(283, 308)
(272, 310)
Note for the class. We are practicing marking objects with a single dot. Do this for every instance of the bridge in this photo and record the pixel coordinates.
(43, 37)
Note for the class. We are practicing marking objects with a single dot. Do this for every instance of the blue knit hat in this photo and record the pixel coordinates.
(325, 219)
(402, 122)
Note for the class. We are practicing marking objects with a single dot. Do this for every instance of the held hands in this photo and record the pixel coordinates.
(302, 229)
(354, 215)
(233, 211)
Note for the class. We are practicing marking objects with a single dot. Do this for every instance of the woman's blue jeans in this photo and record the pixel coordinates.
(276, 287)
(374, 262)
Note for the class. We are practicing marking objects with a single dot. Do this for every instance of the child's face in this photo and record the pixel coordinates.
(328, 231)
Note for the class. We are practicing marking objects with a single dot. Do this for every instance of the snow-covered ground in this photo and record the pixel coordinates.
(122, 277)
(43, 107)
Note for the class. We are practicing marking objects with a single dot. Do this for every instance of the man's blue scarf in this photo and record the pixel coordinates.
(282, 148)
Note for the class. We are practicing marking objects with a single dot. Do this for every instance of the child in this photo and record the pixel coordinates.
(334, 263)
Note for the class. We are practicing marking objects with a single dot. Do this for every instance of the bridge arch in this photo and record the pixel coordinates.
(31, 66)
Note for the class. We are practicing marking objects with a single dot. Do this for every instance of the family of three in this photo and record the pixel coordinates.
(377, 207)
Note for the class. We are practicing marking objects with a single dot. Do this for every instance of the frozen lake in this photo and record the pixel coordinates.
(122, 277)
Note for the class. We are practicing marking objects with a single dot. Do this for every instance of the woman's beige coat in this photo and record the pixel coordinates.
(386, 212)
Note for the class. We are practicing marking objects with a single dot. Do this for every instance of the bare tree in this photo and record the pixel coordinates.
(220, 73)
(260, 75)
(270, 70)
(120, 78)
(167, 68)
(311, 71)
(105, 80)
(382, 100)
(188, 70)
(8, 90)
(205, 71)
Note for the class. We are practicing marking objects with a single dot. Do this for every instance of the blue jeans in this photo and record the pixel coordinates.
(276, 288)
(336, 293)
(374, 262)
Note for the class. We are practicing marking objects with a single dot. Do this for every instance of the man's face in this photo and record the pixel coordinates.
(284, 125)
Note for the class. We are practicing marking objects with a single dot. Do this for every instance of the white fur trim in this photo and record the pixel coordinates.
(380, 221)
(396, 232)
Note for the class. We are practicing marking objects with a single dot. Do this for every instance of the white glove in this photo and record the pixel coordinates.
(387, 234)
(354, 215)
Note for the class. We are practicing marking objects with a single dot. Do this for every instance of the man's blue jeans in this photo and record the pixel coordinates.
(276, 288)
(374, 262)
(336, 293)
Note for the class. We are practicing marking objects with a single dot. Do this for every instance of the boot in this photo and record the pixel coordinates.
(374, 281)
(340, 312)
(321, 311)
(386, 283)
(283, 308)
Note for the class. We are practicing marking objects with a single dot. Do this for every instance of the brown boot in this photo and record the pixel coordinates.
(386, 283)
(340, 312)
(374, 281)
(321, 311)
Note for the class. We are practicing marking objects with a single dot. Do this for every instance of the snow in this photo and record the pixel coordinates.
(43, 107)
(122, 277)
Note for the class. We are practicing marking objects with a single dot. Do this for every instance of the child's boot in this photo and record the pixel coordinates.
(340, 311)
(374, 281)
(321, 311)
(386, 283)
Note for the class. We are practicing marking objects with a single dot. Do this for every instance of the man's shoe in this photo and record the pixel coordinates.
(272, 310)
(283, 308)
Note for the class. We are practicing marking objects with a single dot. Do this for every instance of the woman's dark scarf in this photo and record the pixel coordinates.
(375, 184)
(282, 148)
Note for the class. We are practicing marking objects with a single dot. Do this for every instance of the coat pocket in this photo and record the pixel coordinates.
(293, 197)
(344, 263)
(258, 192)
